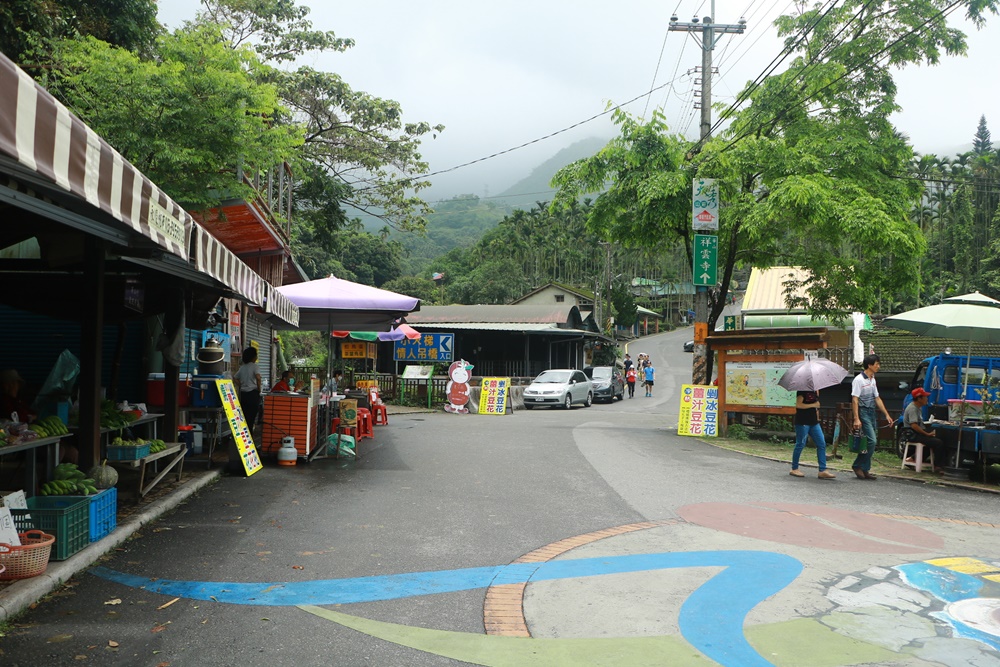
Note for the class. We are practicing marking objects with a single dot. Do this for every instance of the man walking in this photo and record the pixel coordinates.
(648, 373)
(864, 401)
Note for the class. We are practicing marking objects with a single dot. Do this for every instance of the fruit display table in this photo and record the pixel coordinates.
(51, 445)
(174, 452)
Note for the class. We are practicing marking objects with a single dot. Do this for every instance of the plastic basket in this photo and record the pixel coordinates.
(28, 560)
(67, 518)
(127, 452)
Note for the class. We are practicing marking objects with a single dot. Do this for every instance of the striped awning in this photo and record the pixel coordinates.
(49, 142)
(278, 305)
(216, 260)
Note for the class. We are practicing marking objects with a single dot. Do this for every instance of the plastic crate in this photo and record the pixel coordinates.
(127, 452)
(67, 518)
(103, 512)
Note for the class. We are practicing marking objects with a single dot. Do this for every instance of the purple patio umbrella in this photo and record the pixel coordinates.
(334, 304)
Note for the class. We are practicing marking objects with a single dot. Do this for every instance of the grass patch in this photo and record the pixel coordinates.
(884, 462)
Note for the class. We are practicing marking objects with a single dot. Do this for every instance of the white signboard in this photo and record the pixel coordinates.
(705, 204)
(8, 532)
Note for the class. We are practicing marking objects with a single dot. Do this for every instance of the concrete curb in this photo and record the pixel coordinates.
(888, 475)
(23, 593)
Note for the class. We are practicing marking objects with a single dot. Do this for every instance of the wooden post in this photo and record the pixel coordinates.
(91, 343)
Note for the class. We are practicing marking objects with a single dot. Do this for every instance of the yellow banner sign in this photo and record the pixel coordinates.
(357, 350)
(494, 396)
(699, 410)
(238, 425)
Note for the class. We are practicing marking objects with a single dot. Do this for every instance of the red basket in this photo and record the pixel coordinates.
(28, 560)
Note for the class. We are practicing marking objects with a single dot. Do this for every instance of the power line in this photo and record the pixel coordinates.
(875, 58)
(527, 143)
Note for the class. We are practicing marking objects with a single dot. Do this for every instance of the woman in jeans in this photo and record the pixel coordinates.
(806, 426)
(864, 401)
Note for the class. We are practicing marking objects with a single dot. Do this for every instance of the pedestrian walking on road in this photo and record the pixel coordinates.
(864, 401)
(807, 426)
(649, 373)
(630, 378)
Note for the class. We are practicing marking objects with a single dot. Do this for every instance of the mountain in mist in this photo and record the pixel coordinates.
(535, 186)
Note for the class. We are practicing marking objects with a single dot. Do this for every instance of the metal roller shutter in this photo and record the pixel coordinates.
(261, 333)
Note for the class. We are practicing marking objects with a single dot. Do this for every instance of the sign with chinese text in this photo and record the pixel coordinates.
(238, 426)
(357, 350)
(731, 323)
(428, 347)
(756, 383)
(706, 260)
(699, 410)
(494, 396)
(705, 204)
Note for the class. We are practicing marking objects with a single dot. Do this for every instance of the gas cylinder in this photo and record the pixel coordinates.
(287, 455)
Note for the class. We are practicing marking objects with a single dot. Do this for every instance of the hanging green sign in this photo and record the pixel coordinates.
(706, 260)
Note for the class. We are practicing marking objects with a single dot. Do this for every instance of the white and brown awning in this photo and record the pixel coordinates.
(277, 304)
(46, 140)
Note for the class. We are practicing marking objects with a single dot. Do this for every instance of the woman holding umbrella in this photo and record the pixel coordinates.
(806, 378)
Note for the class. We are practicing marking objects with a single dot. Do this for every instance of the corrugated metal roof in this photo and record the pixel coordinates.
(555, 314)
(489, 326)
(766, 290)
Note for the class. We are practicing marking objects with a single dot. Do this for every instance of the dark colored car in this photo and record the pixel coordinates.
(689, 346)
(608, 382)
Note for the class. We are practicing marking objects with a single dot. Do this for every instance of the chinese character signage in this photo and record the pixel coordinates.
(430, 348)
(357, 350)
(705, 199)
(238, 425)
(494, 396)
(699, 410)
(706, 260)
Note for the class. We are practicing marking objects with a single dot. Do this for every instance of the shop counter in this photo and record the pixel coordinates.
(289, 414)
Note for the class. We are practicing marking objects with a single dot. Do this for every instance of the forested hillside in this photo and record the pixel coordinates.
(462, 220)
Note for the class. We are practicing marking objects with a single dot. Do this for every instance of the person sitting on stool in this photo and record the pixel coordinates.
(913, 421)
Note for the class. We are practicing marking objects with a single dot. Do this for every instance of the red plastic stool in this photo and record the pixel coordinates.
(365, 423)
(380, 413)
(352, 430)
(334, 423)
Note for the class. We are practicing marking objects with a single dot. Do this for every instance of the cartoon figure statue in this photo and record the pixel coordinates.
(458, 387)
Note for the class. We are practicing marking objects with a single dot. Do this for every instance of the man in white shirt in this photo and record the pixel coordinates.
(864, 401)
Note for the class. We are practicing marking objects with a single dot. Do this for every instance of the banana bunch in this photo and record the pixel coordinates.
(69, 481)
(48, 427)
(156, 446)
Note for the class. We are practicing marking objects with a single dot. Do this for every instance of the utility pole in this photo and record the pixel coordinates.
(710, 32)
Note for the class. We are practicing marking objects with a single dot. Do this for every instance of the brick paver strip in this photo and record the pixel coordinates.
(503, 608)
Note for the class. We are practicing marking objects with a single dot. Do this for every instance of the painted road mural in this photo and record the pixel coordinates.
(821, 587)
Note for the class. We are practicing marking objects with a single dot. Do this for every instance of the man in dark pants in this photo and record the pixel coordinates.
(913, 421)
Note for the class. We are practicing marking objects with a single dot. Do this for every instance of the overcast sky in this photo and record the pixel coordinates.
(498, 75)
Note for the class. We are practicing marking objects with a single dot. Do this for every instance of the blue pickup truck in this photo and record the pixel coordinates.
(943, 376)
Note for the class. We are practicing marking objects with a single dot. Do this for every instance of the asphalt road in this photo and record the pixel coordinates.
(549, 537)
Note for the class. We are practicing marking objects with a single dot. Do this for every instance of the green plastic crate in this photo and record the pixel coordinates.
(65, 517)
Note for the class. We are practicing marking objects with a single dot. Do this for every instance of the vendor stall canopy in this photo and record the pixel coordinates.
(63, 182)
(334, 304)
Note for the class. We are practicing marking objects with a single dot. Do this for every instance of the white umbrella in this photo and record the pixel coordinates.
(971, 317)
(812, 374)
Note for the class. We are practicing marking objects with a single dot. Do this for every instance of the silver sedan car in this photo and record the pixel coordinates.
(559, 387)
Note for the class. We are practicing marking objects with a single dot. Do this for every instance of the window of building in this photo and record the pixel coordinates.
(560, 298)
